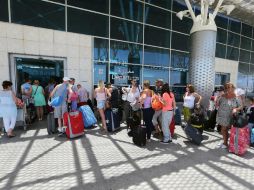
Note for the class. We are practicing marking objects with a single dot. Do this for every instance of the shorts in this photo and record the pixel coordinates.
(60, 110)
(101, 104)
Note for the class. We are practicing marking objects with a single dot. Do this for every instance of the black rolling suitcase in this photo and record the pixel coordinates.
(139, 135)
(51, 123)
(193, 134)
(112, 119)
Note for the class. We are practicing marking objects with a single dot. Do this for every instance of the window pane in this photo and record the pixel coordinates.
(220, 50)
(246, 30)
(180, 42)
(221, 36)
(129, 9)
(126, 30)
(178, 76)
(234, 26)
(180, 60)
(242, 77)
(158, 17)
(38, 13)
(252, 45)
(153, 73)
(84, 22)
(101, 49)
(179, 91)
(232, 53)
(161, 3)
(100, 72)
(233, 39)
(252, 58)
(95, 5)
(59, 1)
(122, 74)
(121, 52)
(250, 90)
(179, 6)
(4, 10)
(157, 37)
(221, 21)
(245, 43)
(244, 56)
(119, 74)
(156, 56)
(183, 26)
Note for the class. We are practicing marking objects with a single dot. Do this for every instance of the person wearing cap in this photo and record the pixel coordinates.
(61, 90)
(39, 98)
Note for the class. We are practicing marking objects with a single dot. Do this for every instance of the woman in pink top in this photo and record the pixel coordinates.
(169, 105)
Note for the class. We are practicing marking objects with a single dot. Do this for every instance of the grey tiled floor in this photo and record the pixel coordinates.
(34, 160)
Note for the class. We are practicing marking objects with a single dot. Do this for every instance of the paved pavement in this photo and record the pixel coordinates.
(35, 160)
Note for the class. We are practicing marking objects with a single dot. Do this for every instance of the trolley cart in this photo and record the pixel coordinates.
(22, 117)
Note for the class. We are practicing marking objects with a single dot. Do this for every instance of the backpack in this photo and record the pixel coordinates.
(116, 97)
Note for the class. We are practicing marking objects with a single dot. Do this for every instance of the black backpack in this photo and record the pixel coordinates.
(116, 97)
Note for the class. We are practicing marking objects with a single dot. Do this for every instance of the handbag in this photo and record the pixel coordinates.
(57, 101)
(240, 120)
(156, 104)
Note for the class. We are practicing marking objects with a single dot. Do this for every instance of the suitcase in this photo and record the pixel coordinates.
(74, 123)
(193, 134)
(177, 117)
(139, 135)
(88, 116)
(172, 127)
(112, 119)
(239, 140)
(51, 123)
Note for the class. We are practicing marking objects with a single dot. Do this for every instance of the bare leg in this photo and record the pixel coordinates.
(41, 112)
(224, 132)
(38, 112)
(103, 120)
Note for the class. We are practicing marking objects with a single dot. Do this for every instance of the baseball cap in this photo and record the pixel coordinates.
(66, 79)
(159, 80)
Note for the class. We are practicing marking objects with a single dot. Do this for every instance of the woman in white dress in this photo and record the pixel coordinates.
(8, 108)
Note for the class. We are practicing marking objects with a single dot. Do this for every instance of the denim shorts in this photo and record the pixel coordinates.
(101, 104)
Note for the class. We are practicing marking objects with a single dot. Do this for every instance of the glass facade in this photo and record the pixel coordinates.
(140, 39)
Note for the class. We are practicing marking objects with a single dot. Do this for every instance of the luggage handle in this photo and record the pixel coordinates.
(69, 124)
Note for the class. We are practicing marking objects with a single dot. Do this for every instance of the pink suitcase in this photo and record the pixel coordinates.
(239, 140)
(74, 123)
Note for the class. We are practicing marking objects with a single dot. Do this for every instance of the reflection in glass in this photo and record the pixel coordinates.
(221, 36)
(221, 78)
(244, 56)
(38, 13)
(126, 30)
(84, 22)
(161, 3)
(153, 73)
(157, 37)
(100, 72)
(232, 53)
(4, 10)
(233, 39)
(178, 77)
(180, 42)
(234, 25)
(95, 5)
(250, 90)
(101, 49)
(158, 17)
(125, 52)
(129, 9)
(179, 6)
(156, 56)
(183, 26)
(220, 50)
(221, 21)
(180, 60)
(246, 30)
(252, 58)
(122, 74)
(242, 77)
(245, 43)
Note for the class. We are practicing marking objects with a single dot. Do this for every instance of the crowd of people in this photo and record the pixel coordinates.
(155, 106)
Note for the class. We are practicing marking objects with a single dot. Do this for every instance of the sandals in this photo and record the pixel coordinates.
(10, 136)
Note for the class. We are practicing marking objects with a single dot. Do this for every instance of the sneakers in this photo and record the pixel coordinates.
(166, 142)
(221, 145)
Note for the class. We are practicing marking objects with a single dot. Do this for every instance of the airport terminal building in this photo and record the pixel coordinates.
(117, 40)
